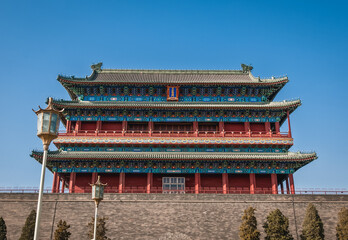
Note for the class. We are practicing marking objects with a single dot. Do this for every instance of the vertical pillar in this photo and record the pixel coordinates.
(150, 126)
(68, 126)
(78, 126)
(54, 184)
(94, 177)
(63, 185)
(252, 181)
(281, 188)
(289, 133)
(292, 185)
(124, 127)
(149, 182)
(121, 182)
(197, 182)
(195, 128)
(274, 183)
(224, 183)
(58, 184)
(287, 185)
(268, 128)
(72, 182)
(246, 127)
(277, 127)
(222, 128)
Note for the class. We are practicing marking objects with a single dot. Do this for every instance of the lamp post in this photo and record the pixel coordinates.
(97, 196)
(47, 130)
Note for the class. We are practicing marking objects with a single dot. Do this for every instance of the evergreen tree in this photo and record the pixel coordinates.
(29, 227)
(101, 229)
(62, 232)
(312, 227)
(248, 228)
(277, 226)
(3, 229)
(342, 225)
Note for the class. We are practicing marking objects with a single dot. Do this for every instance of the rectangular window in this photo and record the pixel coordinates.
(173, 184)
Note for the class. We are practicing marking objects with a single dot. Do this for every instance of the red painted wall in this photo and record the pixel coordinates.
(112, 179)
(263, 180)
(111, 126)
(234, 127)
(239, 180)
(82, 182)
(85, 126)
(135, 180)
(211, 180)
(257, 127)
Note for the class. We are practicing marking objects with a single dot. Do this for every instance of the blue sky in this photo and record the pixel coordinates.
(307, 40)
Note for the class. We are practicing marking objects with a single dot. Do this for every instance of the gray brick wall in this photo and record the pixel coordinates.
(161, 216)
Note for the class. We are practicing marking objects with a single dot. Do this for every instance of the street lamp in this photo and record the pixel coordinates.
(47, 130)
(97, 196)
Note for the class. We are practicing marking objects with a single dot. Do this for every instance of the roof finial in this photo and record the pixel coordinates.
(97, 67)
(246, 68)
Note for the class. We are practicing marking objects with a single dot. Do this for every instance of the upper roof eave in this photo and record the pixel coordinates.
(289, 156)
(176, 105)
(249, 78)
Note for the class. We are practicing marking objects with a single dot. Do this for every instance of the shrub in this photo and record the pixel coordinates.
(29, 227)
(62, 232)
(248, 228)
(277, 226)
(101, 229)
(342, 225)
(312, 227)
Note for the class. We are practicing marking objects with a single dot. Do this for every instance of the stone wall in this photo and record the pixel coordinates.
(164, 216)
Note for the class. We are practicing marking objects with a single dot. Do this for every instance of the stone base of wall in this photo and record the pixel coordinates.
(165, 216)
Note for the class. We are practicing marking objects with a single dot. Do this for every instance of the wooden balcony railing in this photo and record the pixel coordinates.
(129, 133)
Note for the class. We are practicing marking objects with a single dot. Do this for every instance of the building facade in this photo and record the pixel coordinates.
(175, 131)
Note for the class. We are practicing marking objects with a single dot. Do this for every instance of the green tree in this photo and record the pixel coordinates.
(101, 229)
(248, 228)
(29, 227)
(312, 226)
(62, 232)
(342, 225)
(277, 226)
(3, 229)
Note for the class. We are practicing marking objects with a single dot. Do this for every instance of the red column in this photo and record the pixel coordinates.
(195, 128)
(281, 188)
(94, 177)
(63, 186)
(58, 184)
(274, 183)
(268, 128)
(222, 128)
(287, 185)
(150, 126)
(121, 182)
(197, 182)
(149, 182)
(246, 126)
(277, 127)
(72, 182)
(124, 127)
(54, 184)
(67, 126)
(289, 133)
(292, 185)
(224, 183)
(252, 181)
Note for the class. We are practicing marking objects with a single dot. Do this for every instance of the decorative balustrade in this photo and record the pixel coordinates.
(187, 190)
(145, 133)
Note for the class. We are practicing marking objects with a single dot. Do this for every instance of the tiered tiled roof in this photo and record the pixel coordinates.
(288, 156)
(176, 105)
